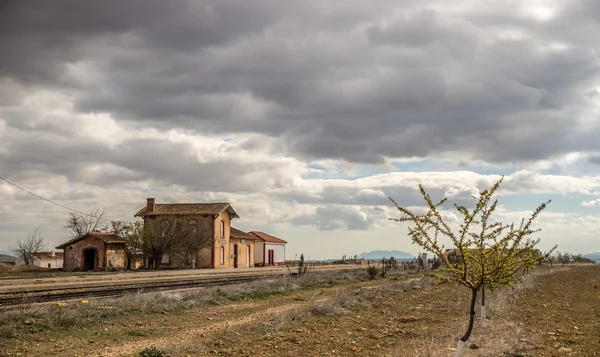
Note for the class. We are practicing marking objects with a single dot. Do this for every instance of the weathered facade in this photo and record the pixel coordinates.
(269, 250)
(241, 248)
(94, 251)
(211, 222)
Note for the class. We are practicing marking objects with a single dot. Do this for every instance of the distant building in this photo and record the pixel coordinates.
(50, 260)
(93, 251)
(269, 250)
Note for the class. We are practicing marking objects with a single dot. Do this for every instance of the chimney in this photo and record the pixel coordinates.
(150, 205)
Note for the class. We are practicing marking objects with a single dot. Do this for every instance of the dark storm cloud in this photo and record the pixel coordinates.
(350, 81)
(30, 148)
(594, 160)
(43, 37)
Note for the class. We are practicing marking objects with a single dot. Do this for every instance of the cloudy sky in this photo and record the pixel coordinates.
(305, 115)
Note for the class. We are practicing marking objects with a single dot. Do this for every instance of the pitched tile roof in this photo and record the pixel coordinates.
(267, 237)
(188, 208)
(238, 234)
(109, 238)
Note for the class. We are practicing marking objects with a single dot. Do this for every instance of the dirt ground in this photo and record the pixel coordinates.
(11, 269)
(555, 314)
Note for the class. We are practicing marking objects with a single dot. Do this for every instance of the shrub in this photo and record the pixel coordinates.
(372, 271)
(152, 351)
(386, 265)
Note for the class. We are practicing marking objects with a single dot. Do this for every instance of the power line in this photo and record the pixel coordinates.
(45, 199)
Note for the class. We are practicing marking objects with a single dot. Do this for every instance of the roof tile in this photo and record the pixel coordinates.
(109, 238)
(267, 237)
(238, 234)
(188, 208)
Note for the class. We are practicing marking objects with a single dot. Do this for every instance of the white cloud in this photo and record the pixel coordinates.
(591, 203)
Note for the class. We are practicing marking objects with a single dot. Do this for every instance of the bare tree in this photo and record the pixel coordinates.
(577, 258)
(563, 258)
(166, 239)
(133, 235)
(193, 239)
(79, 224)
(26, 249)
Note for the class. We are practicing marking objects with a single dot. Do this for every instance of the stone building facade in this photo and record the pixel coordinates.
(211, 222)
(94, 251)
(241, 248)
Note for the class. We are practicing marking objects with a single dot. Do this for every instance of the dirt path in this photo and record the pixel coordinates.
(204, 324)
(187, 334)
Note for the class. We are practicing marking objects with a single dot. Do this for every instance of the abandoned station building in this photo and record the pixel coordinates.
(94, 250)
(222, 246)
(227, 246)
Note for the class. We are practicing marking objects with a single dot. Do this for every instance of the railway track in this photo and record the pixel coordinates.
(43, 296)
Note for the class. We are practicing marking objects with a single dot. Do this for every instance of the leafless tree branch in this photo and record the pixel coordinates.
(27, 248)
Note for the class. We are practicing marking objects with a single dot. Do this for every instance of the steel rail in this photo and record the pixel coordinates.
(12, 299)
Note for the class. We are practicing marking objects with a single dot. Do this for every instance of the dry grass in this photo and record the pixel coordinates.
(387, 317)
(394, 319)
(32, 319)
(335, 306)
(499, 337)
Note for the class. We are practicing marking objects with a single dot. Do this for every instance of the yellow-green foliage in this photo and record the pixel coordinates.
(492, 252)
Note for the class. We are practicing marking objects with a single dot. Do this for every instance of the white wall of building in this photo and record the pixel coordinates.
(52, 263)
(278, 250)
(55, 263)
(261, 252)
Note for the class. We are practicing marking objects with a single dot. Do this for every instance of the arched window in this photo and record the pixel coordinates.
(222, 255)
(222, 229)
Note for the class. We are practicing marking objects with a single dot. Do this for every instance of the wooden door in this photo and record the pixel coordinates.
(235, 256)
(247, 256)
(271, 257)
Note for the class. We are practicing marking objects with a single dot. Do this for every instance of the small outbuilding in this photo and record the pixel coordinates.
(50, 260)
(94, 251)
(241, 248)
(269, 250)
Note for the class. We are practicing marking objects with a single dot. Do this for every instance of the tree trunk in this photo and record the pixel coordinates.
(464, 339)
(483, 307)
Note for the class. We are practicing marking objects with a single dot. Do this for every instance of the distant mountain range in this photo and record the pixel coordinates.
(593, 256)
(380, 254)
(5, 258)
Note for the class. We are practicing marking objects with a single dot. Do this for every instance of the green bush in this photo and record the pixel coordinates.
(152, 352)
